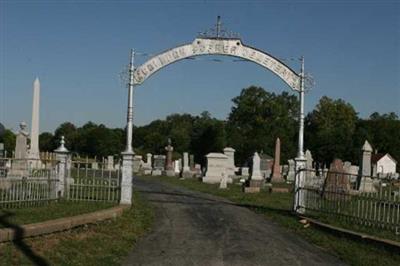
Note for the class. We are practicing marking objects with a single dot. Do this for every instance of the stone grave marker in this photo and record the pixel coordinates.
(216, 166)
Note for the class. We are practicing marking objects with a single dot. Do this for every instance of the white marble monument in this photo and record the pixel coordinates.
(186, 169)
(255, 172)
(34, 146)
(216, 166)
(230, 167)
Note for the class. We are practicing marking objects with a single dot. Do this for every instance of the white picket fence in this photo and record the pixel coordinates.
(27, 182)
(345, 197)
(35, 182)
(89, 183)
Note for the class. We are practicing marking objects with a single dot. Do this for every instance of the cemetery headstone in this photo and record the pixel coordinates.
(276, 174)
(255, 171)
(216, 166)
(266, 164)
(309, 166)
(19, 165)
(365, 182)
(291, 170)
(337, 183)
(245, 172)
(137, 159)
(177, 167)
(110, 162)
(169, 170)
(230, 167)
(186, 169)
(191, 162)
(256, 179)
(224, 182)
(158, 165)
(197, 170)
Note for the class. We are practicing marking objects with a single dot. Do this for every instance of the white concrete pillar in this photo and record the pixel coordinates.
(127, 177)
(300, 178)
(62, 154)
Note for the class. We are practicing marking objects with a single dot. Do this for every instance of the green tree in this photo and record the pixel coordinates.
(208, 135)
(257, 118)
(8, 138)
(47, 142)
(330, 129)
(382, 131)
(70, 133)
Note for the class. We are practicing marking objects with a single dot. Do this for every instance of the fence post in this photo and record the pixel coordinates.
(127, 177)
(300, 178)
(62, 158)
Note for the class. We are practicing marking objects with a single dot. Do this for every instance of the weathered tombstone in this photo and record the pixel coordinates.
(255, 170)
(291, 170)
(19, 164)
(245, 172)
(224, 182)
(337, 183)
(169, 170)
(147, 166)
(285, 170)
(197, 170)
(137, 159)
(276, 174)
(216, 166)
(365, 181)
(256, 179)
(230, 167)
(191, 162)
(186, 169)
(110, 162)
(346, 170)
(95, 165)
(177, 167)
(21, 142)
(158, 165)
(266, 164)
(310, 174)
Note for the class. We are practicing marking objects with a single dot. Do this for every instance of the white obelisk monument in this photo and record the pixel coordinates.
(34, 147)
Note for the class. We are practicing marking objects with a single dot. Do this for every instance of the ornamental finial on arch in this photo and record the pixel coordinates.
(218, 32)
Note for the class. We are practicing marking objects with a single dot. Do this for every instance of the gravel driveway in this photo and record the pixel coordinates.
(193, 228)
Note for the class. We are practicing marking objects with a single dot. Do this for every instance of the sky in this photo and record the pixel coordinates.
(79, 48)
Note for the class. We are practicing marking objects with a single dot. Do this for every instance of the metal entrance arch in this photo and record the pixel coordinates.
(220, 45)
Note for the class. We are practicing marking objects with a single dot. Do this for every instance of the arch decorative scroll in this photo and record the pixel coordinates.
(215, 46)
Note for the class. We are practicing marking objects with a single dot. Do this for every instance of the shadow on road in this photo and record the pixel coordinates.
(18, 239)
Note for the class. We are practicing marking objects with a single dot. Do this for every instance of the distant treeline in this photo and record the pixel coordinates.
(332, 130)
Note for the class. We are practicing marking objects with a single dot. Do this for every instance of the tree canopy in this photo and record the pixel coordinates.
(332, 130)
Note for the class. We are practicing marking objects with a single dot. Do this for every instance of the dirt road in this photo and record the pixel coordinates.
(193, 228)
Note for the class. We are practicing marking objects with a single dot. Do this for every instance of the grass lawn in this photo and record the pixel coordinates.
(50, 211)
(277, 206)
(105, 243)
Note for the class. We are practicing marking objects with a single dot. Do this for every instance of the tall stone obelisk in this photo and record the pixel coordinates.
(34, 147)
(276, 171)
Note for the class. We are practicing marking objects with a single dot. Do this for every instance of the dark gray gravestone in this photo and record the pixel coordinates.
(159, 162)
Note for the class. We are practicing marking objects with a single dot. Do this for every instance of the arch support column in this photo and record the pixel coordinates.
(128, 154)
(300, 161)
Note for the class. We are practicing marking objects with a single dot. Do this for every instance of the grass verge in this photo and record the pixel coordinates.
(51, 211)
(105, 243)
(277, 206)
